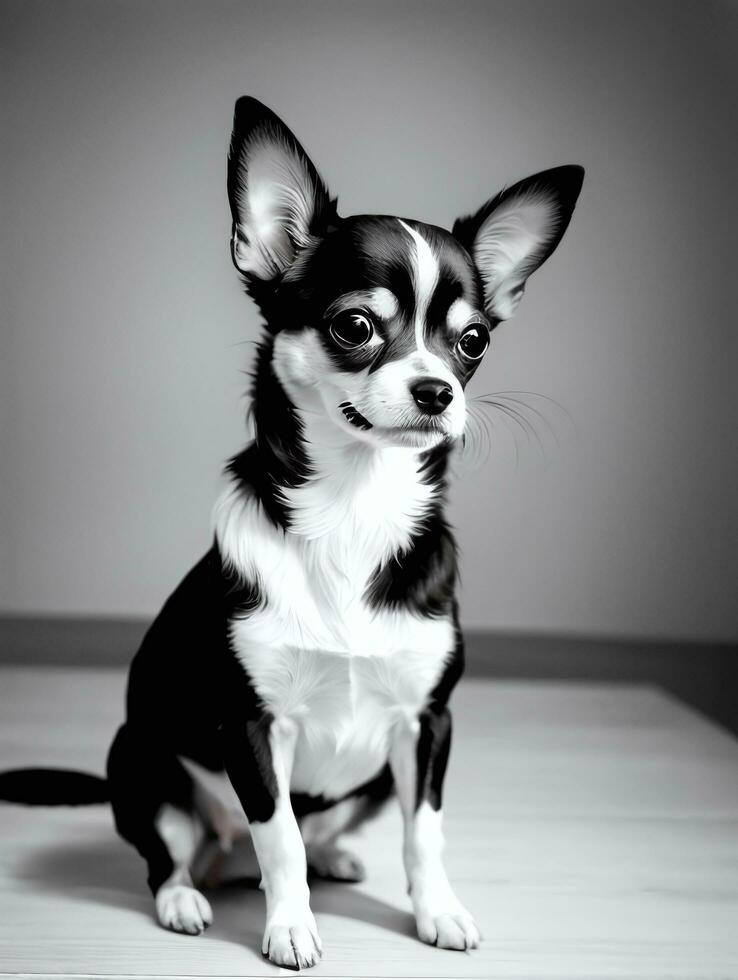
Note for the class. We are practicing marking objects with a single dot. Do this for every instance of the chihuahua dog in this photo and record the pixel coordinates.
(301, 672)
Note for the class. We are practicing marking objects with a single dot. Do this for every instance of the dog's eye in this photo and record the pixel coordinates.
(352, 329)
(473, 342)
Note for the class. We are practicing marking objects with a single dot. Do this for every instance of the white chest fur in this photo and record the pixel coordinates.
(344, 706)
(315, 651)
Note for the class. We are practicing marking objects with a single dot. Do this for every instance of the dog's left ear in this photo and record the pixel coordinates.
(515, 232)
(279, 203)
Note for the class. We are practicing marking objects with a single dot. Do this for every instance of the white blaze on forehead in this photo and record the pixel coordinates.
(425, 278)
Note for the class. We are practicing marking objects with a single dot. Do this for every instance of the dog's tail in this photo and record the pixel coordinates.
(52, 787)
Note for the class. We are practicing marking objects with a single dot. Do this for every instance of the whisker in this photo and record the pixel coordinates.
(524, 423)
(536, 412)
(520, 420)
(476, 441)
(242, 343)
(536, 394)
(516, 402)
(504, 418)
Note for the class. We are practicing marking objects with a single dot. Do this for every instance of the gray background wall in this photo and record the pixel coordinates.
(124, 333)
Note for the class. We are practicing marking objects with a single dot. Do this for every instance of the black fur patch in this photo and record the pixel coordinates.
(434, 740)
(434, 745)
(377, 789)
(277, 457)
(421, 579)
(248, 761)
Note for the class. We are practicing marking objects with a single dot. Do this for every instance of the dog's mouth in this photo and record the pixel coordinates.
(410, 432)
(354, 416)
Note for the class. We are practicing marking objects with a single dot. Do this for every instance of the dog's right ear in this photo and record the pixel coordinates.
(514, 233)
(278, 201)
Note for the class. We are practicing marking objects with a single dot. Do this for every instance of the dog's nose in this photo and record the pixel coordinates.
(432, 395)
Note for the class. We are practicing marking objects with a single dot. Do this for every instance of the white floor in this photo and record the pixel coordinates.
(592, 830)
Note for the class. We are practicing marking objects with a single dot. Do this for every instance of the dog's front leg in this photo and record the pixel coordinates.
(259, 755)
(418, 759)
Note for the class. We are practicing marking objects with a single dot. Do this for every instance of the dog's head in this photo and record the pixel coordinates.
(379, 322)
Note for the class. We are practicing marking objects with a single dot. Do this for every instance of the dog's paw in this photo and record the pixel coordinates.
(451, 930)
(183, 909)
(334, 863)
(294, 944)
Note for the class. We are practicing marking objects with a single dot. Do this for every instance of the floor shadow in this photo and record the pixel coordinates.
(101, 869)
(107, 870)
(350, 901)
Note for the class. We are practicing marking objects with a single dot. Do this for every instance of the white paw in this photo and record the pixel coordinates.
(183, 909)
(335, 863)
(446, 923)
(294, 943)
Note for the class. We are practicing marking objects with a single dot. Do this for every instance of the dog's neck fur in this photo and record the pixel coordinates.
(367, 521)
(310, 476)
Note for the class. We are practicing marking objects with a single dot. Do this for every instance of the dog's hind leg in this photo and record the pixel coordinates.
(179, 905)
(152, 798)
(321, 831)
